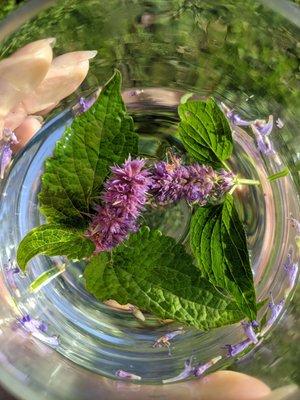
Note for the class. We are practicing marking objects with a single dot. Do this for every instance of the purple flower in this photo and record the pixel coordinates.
(249, 331)
(234, 349)
(291, 270)
(234, 118)
(186, 373)
(164, 341)
(275, 311)
(85, 103)
(38, 330)
(9, 138)
(195, 183)
(264, 127)
(127, 375)
(263, 142)
(124, 198)
(201, 368)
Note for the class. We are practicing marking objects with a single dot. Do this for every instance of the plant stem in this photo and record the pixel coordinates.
(242, 181)
(226, 166)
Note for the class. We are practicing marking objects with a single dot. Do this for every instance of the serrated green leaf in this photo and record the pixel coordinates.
(97, 139)
(53, 240)
(205, 132)
(219, 244)
(155, 273)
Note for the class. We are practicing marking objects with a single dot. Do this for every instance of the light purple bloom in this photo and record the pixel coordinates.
(263, 142)
(164, 341)
(264, 127)
(201, 368)
(233, 117)
(9, 138)
(249, 331)
(291, 270)
(235, 349)
(124, 198)
(38, 330)
(275, 311)
(186, 373)
(85, 103)
(127, 375)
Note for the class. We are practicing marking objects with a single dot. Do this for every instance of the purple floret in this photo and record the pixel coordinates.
(249, 331)
(235, 349)
(8, 139)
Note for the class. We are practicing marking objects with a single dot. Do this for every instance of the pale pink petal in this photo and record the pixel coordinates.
(26, 130)
(61, 81)
(15, 117)
(73, 58)
(34, 47)
(48, 109)
(27, 72)
(10, 96)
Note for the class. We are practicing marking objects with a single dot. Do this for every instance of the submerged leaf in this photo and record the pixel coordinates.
(53, 240)
(155, 273)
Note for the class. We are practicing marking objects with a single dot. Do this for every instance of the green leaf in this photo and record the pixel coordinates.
(281, 174)
(74, 176)
(53, 240)
(218, 241)
(205, 132)
(155, 273)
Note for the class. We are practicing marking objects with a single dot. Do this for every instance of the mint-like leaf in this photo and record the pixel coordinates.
(53, 240)
(218, 242)
(155, 273)
(205, 132)
(96, 140)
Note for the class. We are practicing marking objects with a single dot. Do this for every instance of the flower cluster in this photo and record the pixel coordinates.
(8, 139)
(124, 198)
(131, 185)
(195, 183)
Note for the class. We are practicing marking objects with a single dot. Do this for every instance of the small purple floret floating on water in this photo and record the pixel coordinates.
(164, 341)
(291, 270)
(127, 375)
(9, 138)
(235, 349)
(233, 117)
(196, 371)
(38, 329)
(249, 331)
(275, 311)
